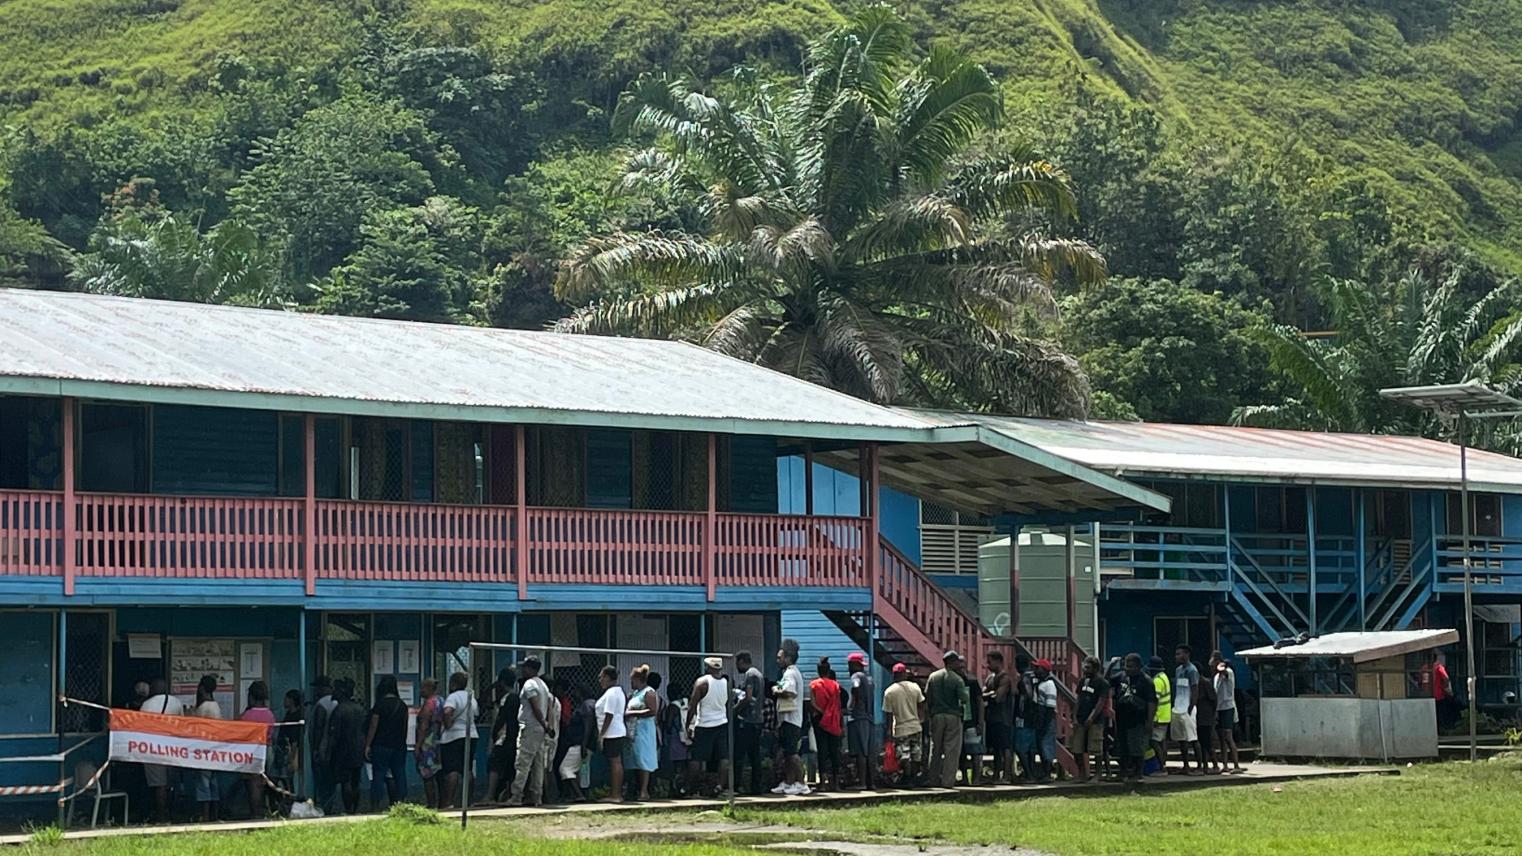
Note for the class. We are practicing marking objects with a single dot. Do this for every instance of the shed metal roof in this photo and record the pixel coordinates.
(1139, 449)
(1359, 647)
(151, 350)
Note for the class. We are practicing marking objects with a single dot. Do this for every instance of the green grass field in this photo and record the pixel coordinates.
(1426, 811)
(1437, 809)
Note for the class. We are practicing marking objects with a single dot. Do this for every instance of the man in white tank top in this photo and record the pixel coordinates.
(709, 711)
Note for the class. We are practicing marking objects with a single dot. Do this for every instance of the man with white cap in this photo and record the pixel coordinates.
(709, 709)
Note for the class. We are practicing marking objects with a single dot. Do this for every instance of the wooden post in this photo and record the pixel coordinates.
(520, 513)
(808, 479)
(711, 521)
(1072, 557)
(309, 507)
(874, 520)
(1310, 557)
(70, 512)
(1014, 579)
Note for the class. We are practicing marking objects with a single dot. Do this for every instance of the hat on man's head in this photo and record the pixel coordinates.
(856, 657)
(899, 668)
(530, 662)
(1043, 663)
(1156, 664)
(949, 656)
(714, 662)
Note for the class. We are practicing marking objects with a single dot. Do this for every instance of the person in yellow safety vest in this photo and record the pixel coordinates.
(1164, 687)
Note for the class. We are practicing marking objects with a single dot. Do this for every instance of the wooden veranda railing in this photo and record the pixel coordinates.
(158, 536)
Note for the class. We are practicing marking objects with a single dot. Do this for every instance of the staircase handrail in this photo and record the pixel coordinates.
(1305, 620)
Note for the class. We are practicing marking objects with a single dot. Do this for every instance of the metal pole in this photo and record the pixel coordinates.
(306, 744)
(61, 684)
(470, 760)
(1469, 678)
(1360, 534)
(1310, 556)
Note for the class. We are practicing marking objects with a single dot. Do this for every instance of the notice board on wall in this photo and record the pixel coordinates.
(235, 662)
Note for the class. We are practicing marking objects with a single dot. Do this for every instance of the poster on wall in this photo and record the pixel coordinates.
(407, 657)
(189, 659)
(251, 660)
(381, 657)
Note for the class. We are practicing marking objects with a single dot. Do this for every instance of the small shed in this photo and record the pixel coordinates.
(1349, 695)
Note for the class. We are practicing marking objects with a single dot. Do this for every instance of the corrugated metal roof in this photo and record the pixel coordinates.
(1361, 647)
(132, 349)
(1251, 454)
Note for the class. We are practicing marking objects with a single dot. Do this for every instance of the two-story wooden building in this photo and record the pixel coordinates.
(272, 495)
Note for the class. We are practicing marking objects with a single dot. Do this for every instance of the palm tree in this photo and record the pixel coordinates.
(844, 232)
(1411, 332)
(167, 257)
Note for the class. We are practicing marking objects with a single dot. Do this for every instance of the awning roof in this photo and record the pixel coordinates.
(1143, 449)
(128, 349)
(1359, 647)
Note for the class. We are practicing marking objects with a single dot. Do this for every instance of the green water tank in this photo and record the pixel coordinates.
(1043, 586)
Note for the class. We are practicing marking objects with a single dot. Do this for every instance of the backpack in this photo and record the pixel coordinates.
(1030, 705)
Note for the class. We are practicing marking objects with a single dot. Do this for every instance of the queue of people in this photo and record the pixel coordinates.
(785, 737)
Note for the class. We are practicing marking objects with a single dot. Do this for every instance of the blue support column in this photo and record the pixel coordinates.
(61, 685)
(1360, 535)
(301, 657)
(1310, 553)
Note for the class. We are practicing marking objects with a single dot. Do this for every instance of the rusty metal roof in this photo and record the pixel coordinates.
(150, 350)
(1140, 449)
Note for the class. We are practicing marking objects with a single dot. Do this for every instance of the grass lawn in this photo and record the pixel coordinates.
(380, 837)
(1452, 808)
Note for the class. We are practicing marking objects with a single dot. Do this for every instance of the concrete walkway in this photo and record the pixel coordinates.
(1256, 774)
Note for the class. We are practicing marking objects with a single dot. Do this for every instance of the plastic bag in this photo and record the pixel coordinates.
(890, 757)
(305, 810)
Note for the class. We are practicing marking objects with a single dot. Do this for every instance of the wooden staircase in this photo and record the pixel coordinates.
(914, 622)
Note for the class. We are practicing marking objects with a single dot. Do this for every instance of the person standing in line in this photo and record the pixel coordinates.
(208, 794)
(863, 722)
(580, 737)
(459, 716)
(1088, 735)
(536, 730)
(1448, 711)
(502, 761)
(558, 703)
(788, 694)
(824, 701)
(612, 732)
(999, 717)
(258, 710)
(750, 715)
(157, 775)
(973, 730)
(345, 743)
(285, 764)
(1186, 689)
(708, 722)
(1027, 716)
(425, 742)
(1163, 719)
(945, 692)
(1046, 725)
(904, 723)
(1135, 708)
(1226, 713)
(644, 745)
(386, 745)
(1204, 721)
(323, 705)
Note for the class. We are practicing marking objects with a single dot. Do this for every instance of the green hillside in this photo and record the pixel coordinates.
(1233, 147)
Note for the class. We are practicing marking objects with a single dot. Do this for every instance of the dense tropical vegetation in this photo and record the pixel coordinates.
(1056, 206)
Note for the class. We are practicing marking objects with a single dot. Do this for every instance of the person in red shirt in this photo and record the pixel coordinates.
(1442, 693)
(828, 727)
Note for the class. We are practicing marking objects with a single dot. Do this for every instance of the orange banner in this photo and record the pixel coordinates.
(188, 741)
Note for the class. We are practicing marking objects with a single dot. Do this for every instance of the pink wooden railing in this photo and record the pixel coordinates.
(927, 607)
(791, 550)
(265, 538)
(30, 533)
(194, 537)
(409, 541)
(576, 545)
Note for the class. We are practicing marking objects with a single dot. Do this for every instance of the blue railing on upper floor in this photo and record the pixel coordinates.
(1203, 555)
(1496, 564)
